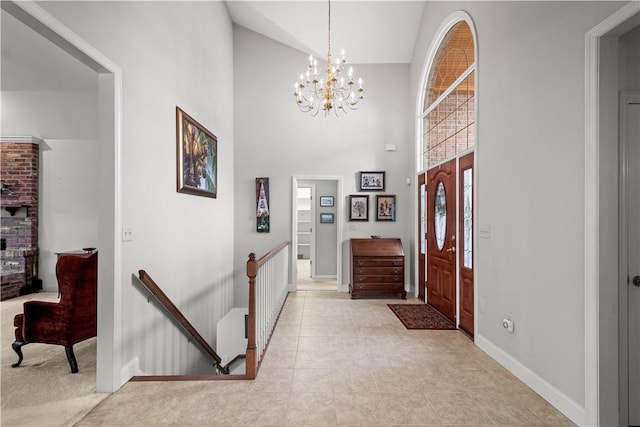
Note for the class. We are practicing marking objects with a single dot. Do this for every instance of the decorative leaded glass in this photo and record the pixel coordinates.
(467, 200)
(440, 215)
(449, 104)
(423, 219)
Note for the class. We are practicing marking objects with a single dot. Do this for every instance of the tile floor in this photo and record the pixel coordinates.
(334, 361)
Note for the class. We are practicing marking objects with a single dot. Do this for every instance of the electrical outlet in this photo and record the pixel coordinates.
(507, 323)
(127, 234)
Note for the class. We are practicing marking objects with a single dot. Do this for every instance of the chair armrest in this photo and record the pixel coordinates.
(45, 322)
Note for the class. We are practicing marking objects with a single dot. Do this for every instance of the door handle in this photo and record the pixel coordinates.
(453, 249)
(636, 281)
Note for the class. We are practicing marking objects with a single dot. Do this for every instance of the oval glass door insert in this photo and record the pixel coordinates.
(440, 215)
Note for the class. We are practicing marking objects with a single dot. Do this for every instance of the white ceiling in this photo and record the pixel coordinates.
(370, 32)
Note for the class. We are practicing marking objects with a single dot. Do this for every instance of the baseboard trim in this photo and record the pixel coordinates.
(548, 392)
(324, 276)
(130, 370)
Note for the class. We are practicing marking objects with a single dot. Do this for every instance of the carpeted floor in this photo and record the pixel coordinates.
(421, 316)
(42, 391)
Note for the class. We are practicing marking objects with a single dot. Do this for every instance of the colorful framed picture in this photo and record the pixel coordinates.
(326, 201)
(263, 217)
(197, 157)
(358, 208)
(371, 181)
(326, 218)
(386, 208)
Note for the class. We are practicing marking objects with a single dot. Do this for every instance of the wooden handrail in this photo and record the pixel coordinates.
(179, 317)
(253, 266)
(266, 257)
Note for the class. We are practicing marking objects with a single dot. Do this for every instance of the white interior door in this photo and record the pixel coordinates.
(631, 132)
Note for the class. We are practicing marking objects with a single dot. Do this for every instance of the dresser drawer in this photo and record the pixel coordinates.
(361, 278)
(378, 262)
(383, 271)
(375, 287)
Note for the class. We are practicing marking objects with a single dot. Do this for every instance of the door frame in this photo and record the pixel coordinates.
(596, 93)
(109, 377)
(626, 97)
(295, 179)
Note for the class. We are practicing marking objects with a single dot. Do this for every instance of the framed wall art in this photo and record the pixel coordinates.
(326, 201)
(263, 218)
(197, 157)
(371, 181)
(358, 208)
(326, 218)
(386, 208)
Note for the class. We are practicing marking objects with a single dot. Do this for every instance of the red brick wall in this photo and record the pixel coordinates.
(19, 221)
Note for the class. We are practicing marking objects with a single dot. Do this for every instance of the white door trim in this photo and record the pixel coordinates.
(592, 214)
(108, 372)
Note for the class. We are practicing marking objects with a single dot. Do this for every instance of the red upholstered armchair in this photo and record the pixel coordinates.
(69, 321)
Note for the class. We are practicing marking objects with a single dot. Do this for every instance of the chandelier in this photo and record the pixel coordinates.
(314, 93)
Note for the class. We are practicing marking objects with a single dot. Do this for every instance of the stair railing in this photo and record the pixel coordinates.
(268, 288)
(176, 315)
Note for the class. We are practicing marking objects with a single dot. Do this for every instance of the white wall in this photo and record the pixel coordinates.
(275, 140)
(530, 162)
(171, 54)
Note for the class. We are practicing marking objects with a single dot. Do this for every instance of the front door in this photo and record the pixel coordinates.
(441, 238)
(632, 135)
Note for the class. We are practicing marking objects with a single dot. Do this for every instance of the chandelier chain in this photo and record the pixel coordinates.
(313, 94)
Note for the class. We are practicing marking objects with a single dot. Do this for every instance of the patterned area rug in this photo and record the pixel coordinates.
(421, 316)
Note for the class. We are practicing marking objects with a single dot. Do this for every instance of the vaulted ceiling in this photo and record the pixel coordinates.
(371, 32)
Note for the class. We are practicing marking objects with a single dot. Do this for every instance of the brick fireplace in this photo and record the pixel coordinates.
(19, 216)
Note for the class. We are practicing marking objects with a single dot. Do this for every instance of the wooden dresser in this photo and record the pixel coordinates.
(377, 266)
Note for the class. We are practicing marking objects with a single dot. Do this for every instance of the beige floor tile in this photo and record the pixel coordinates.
(273, 380)
(312, 381)
(311, 409)
(365, 409)
(409, 408)
(262, 409)
(457, 408)
(350, 381)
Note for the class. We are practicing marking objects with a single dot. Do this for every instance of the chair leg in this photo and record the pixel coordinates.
(72, 359)
(17, 347)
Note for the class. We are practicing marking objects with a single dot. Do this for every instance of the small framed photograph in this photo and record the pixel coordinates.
(358, 208)
(326, 218)
(326, 201)
(371, 181)
(386, 208)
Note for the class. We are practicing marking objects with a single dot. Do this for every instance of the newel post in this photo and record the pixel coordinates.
(252, 272)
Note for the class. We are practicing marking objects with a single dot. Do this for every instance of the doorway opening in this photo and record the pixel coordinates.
(608, 71)
(316, 233)
(109, 378)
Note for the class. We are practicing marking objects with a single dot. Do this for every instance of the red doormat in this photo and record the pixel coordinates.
(421, 316)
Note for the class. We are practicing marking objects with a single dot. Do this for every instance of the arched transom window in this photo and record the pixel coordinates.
(449, 98)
